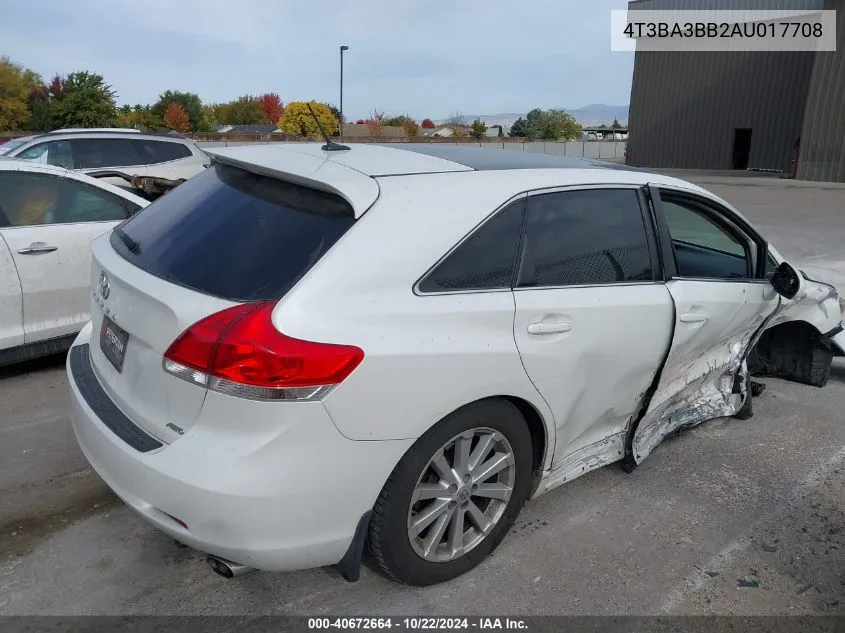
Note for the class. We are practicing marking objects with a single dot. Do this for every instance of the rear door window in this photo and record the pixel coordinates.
(233, 234)
(589, 237)
(153, 152)
(96, 153)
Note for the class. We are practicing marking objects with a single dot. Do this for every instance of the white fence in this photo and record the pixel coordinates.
(604, 150)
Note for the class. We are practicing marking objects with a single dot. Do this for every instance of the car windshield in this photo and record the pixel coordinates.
(8, 146)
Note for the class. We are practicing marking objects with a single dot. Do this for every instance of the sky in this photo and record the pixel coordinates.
(426, 58)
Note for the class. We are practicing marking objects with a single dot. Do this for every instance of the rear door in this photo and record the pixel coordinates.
(51, 222)
(11, 301)
(716, 276)
(593, 317)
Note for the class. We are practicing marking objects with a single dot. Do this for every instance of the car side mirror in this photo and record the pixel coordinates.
(786, 280)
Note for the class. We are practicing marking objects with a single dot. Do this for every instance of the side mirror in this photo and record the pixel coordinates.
(786, 280)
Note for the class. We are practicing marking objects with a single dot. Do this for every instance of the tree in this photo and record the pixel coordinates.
(189, 101)
(406, 122)
(455, 122)
(297, 119)
(501, 132)
(14, 94)
(39, 102)
(615, 125)
(376, 123)
(478, 129)
(427, 124)
(246, 110)
(519, 128)
(175, 118)
(411, 127)
(139, 116)
(86, 101)
(546, 125)
(335, 111)
(273, 107)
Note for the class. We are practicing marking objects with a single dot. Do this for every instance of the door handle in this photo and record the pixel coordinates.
(694, 317)
(37, 248)
(541, 328)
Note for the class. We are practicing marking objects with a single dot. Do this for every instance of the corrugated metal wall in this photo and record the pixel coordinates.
(685, 106)
(822, 152)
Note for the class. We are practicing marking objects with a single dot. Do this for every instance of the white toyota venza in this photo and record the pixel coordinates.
(306, 350)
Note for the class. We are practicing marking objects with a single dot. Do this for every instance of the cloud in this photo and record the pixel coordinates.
(424, 57)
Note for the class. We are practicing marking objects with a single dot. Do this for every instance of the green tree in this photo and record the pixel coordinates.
(404, 121)
(478, 129)
(501, 132)
(139, 117)
(335, 111)
(87, 101)
(615, 125)
(246, 110)
(519, 128)
(297, 119)
(14, 94)
(549, 125)
(189, 101)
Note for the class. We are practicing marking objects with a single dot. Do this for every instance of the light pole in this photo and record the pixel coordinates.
(342, 48)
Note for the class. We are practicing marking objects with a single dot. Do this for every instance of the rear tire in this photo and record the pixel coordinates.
(414, 535)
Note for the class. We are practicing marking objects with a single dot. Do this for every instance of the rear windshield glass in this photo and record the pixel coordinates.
(233, 234)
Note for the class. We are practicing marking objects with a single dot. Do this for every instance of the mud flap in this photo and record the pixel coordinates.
(349, 566)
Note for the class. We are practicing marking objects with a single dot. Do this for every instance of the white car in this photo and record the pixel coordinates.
(300, 351)
(126, 151)
(48, 217)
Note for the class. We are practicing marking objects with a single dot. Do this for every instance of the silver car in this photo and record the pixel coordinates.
(127, 153)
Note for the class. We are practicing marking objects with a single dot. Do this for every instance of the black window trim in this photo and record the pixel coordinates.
(756, 247)
(523, 196)
(122, 202)
(648, 227)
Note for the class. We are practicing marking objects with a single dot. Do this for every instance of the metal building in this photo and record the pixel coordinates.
(781, 111)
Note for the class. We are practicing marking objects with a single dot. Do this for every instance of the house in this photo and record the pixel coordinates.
(265, 128)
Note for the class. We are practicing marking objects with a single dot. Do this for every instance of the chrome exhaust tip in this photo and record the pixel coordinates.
(227, 568)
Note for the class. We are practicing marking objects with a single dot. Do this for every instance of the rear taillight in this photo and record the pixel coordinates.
(238, 351)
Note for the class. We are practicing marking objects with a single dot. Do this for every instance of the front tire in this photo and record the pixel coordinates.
(454, 495)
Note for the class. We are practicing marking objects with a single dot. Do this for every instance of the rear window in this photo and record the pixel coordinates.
(233, 234)
(154, 152)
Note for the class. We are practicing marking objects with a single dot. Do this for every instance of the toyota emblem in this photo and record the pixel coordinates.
(104, 285)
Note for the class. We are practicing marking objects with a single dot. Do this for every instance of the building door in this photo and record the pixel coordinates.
(742, 147)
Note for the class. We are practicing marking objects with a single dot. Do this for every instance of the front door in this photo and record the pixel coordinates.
(721, 302)
(593, 320)
(51, 222)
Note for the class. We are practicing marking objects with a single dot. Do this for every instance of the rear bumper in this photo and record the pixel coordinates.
(276, 488)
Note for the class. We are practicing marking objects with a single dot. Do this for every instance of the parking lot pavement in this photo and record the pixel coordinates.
(758, 502)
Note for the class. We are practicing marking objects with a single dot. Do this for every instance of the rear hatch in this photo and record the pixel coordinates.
(224, 238)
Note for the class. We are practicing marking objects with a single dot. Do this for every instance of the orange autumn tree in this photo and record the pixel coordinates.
(272, 105)
(175, 118)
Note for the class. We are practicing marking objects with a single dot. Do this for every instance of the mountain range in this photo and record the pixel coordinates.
(592, 114)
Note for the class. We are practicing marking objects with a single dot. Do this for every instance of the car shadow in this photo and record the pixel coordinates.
(44, 363)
